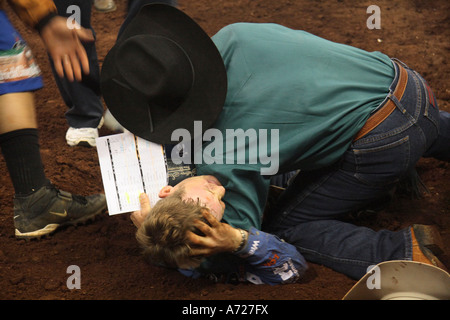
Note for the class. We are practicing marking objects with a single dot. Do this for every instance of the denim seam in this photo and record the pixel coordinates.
(427, 100)
(421, 94)
(412, 119)
(425, 94)
(418, 108)
(381, 148)
(404, 143)
(383, 136)
(335, 259)
(300, 198)
(408, 244)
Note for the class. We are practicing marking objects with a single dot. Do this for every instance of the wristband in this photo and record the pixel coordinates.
(243, 241)
(44, 20)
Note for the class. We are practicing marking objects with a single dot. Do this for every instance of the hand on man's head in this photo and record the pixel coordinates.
(218, 237)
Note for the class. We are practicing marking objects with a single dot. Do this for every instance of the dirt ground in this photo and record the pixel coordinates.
(415, 31)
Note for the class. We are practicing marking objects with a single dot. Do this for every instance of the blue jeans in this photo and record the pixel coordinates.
(310, 212)
(135, 5)
(82, 98)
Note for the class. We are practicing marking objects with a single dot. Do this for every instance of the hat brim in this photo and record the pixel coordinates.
(206, 97)
(403, 280)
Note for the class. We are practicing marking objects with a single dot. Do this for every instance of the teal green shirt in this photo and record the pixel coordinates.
(316, 93)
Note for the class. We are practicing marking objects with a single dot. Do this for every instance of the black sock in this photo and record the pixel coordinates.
(22, 154)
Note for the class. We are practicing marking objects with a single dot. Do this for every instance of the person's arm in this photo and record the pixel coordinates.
(63, 42)
(65, 46)
(268, 259)
(33, 12)
(271, 260)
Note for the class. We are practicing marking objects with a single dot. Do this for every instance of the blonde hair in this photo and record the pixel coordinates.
(163, 234)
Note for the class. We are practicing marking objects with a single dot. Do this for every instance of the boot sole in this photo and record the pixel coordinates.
(52, 227)
(430, 243)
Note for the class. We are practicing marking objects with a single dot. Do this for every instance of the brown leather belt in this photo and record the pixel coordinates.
(380, 115)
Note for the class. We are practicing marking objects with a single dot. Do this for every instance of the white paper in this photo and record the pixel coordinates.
(130, 166)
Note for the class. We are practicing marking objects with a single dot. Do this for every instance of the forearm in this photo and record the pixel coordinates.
(271, 260)
(267, 258)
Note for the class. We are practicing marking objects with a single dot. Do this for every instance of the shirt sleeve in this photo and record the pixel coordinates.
(265, 259)
(270, 260)
(31, 12)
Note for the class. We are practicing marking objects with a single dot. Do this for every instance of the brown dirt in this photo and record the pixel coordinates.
(415, 31)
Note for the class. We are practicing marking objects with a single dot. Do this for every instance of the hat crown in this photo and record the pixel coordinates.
(163, 73)
(156, 67)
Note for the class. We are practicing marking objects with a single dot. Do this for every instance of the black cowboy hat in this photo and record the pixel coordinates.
(163, 73)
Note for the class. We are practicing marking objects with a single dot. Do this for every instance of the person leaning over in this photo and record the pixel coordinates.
(352, 122)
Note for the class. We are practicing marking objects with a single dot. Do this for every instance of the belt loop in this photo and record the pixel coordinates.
(393, 102)
(400, 63)
(397, 103)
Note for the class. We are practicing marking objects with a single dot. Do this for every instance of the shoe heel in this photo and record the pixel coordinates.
(429, 238)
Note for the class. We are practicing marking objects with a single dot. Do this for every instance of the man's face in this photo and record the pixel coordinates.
(207, 190)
